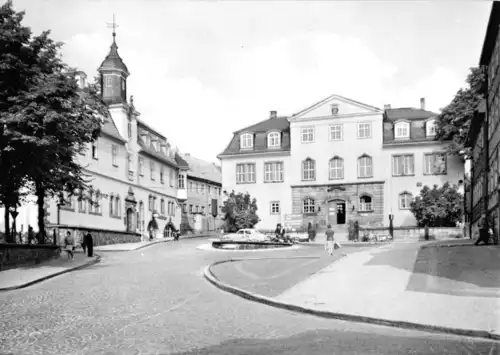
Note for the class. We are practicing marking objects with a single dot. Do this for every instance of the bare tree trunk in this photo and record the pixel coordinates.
(40, 193)
(6, 218)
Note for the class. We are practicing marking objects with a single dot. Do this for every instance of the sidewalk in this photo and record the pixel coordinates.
(25, 276)
(375, 283)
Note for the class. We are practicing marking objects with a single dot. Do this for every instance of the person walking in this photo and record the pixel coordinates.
(484, 231)
(330, 240)
(89, 243)
(310, 232)
(69, 244)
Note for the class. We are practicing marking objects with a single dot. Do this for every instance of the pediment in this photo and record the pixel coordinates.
(334, 106)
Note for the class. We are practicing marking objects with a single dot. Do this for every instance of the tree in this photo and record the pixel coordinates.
(454, 120)
(49, 119)
(240, 211)
(438, 207)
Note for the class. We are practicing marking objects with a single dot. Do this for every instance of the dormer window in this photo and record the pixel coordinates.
(430, 128)
(402, 130)
(274, 140)
(246, 141)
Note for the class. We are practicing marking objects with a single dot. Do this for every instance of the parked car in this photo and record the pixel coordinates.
(244, 235)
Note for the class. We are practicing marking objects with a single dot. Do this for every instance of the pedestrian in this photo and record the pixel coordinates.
(310, 232)
(89, 243)
(82, 243)
(69, 244)
(31, 235)
(484, 230)
(330, 240)
(152, 228)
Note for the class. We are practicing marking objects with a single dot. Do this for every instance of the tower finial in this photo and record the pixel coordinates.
(113, 25)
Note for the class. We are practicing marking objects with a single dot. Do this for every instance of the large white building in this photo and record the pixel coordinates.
(338, 160)
(135, 172)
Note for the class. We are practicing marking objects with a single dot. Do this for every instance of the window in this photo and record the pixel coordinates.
(141, 166)
(365, 168)
(203, 209)
(308, 170)
(184, 208)
(81, 204)
(335, 109)
(152, 169)
(191, 209)
(405, 200)
(336, 132)
(435, 164)
(94, 150)
(162, 206)
(402, 130)
(275, 207)
(365, 203)
(190, 186)
(91, 202)
(197, 188)
(181, 181)
(171, 176)
(111, 206)
(151, 203)
(336, 168)
(141, 213)
(109, 81)
(202, 188)
(245, 173)
(114, 153)
(117, 206)
(307, 135)
(162, 175)
(273, 172)
(364, 130)
(274, 140)
(246, 141)
(403, 165)
(308, 206)
(209, 190)
(430, 128)
(129, 162)
(197, 209)
(129, 130)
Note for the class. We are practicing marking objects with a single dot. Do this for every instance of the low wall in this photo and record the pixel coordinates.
(15, 255)
(99, 236)
(416, 233)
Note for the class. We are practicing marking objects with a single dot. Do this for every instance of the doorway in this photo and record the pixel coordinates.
(130, 220)
(336, 212)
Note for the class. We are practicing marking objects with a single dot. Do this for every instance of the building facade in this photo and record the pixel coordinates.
(257, 161)
(484, 133)
(202, 211)
(135, 173)
(342, 161)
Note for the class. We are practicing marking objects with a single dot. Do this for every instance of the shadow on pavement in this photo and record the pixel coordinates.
(336, 342)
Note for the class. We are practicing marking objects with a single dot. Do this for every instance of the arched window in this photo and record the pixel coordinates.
(246, 141)
(402, 130)
(308, 170)
(405, 199)
(274, 140)
(365, 203)
(365, 167)
(430, 128)
(308, 206)
(336, 168)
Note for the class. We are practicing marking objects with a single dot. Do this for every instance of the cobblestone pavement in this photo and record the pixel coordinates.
(156, 301)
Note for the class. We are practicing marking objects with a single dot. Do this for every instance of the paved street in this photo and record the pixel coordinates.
(156, 301)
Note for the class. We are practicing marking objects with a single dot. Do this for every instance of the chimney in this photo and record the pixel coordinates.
(422, 103)
(387, 106)
(273, 114)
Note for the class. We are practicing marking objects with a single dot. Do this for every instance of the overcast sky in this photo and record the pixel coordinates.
(201, 70)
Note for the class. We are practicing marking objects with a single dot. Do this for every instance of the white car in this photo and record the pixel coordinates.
(245, 235)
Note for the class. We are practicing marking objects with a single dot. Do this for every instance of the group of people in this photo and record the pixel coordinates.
(87, 245)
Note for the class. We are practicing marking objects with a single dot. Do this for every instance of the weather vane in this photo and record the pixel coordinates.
(113, 26)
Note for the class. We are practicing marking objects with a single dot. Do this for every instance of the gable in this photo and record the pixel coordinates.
(346, 107)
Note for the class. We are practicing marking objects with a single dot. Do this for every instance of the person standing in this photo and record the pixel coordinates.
(484, 230)
(330, 240)
(69, 244)
(152, 228)
(89, 243)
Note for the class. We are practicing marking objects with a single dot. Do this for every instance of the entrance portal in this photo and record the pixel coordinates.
(336, 212)
(130, 220)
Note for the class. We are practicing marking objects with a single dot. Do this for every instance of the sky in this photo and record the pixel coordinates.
(201, 70)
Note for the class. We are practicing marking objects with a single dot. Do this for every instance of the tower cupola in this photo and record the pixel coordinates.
(113, 75)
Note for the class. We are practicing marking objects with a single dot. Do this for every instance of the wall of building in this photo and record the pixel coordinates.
(265, 193)
(395, 185)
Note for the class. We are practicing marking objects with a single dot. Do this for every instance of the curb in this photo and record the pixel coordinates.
(90, 263)
(207, 273)
(454, 245)
(138, 248)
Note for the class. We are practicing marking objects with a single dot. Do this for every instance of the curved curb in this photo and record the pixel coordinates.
(90, 263)
(138, 248)
(200, 247)
(207, 273)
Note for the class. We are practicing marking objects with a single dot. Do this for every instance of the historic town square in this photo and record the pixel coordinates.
(248, 177)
